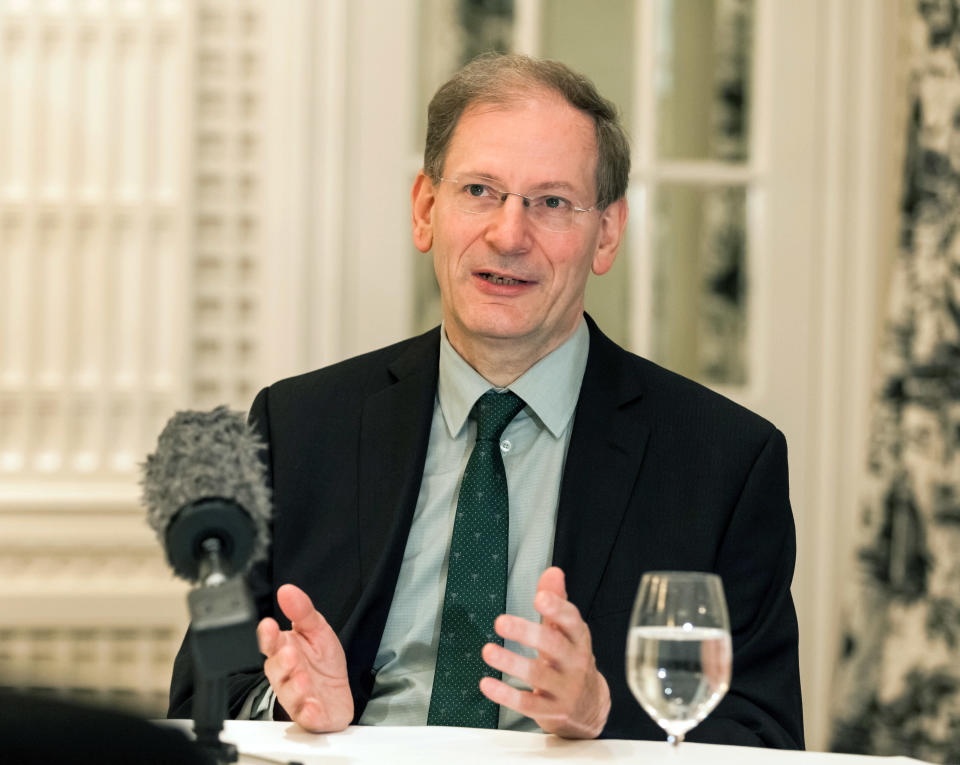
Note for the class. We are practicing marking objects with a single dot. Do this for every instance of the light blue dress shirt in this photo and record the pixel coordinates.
(534, 448)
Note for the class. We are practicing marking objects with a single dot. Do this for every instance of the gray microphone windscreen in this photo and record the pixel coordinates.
(203, 455)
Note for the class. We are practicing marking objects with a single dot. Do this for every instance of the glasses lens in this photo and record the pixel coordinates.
(552, 217)
(478, 204)
(474, 196)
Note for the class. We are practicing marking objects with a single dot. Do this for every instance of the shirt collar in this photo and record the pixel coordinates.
(550, 388)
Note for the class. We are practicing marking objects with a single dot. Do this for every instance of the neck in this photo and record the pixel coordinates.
(501, 361)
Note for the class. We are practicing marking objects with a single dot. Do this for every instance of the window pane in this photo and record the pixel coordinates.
(700, 283)
(703, 79)
(451, 33)
(597, 40)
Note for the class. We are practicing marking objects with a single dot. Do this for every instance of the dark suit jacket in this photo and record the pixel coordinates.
(661, 474)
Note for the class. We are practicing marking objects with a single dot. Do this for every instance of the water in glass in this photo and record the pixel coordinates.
(678, 649)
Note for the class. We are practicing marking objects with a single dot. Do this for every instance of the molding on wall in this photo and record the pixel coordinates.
(79, 527)
(328, 176)
(376, 254)
(69, 496)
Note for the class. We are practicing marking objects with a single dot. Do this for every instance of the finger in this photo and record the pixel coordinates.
(549, 643)
(538, 674)
(543, 708)
(553, 580)
(312, 716)
(305, 703)
(533, 704)
(715, 656)
(268, 636)
(562, 614)
(279, 669)
(304, 618)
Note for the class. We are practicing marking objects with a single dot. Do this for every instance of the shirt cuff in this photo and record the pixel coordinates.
(259, 703)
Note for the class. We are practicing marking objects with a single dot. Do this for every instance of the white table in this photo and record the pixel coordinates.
(468, 746)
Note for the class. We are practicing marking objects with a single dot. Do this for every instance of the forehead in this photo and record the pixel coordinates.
(533, 139)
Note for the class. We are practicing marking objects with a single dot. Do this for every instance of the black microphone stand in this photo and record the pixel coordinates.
(223, 641)
(207, 541)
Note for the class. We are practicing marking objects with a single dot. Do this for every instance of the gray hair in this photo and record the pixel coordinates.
(500, 79)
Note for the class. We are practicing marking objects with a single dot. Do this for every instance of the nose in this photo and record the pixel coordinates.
(509, 228)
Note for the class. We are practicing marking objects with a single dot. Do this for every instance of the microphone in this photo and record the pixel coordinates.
(206, 495)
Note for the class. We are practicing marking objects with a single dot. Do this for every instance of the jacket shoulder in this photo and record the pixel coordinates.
(696, 401)
(670, 399)
(363, 374)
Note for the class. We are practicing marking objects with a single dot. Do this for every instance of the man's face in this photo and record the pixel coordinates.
(505, 282)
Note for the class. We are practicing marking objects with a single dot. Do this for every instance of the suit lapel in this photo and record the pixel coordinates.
(606, 449)
(394, 432)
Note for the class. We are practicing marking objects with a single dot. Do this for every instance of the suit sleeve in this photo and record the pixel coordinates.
(259, 579)
(756, 562)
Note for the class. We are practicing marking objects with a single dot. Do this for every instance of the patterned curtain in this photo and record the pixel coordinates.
(898, 690)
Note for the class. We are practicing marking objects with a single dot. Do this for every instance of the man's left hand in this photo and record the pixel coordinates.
(570, 697)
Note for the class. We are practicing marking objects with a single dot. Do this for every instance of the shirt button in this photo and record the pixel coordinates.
(505, 445)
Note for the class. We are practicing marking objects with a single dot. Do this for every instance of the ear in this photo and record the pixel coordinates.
(422, 198)
(613, 220)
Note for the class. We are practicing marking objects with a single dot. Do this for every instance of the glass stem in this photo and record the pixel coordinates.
(674, 741)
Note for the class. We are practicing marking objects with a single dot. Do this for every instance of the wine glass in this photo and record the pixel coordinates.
(678, 648)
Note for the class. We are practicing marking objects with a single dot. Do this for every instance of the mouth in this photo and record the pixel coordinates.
(499, 279)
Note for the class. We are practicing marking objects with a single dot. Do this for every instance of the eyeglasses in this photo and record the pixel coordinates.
(548, 211)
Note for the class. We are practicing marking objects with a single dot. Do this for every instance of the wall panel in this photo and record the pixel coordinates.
(129, 244)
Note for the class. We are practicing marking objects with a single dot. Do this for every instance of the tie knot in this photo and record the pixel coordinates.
(494, 412)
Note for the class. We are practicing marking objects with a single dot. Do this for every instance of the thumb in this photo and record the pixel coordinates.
(298, 608)
(553, 580)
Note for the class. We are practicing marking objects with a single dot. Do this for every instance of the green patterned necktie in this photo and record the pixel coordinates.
(476, 576)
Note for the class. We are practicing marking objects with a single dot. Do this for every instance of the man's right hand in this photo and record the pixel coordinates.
(305, 665)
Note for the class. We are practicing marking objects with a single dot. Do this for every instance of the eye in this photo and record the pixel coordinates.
(555, 203)
(477, 190)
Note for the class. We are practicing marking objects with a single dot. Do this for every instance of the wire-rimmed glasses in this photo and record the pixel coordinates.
(478, 196)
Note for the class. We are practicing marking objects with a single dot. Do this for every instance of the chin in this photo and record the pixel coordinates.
(499, 328)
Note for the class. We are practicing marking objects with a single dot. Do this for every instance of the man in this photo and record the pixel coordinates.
(386, 477)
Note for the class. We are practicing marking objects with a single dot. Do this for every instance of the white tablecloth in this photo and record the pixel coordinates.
(468, 746)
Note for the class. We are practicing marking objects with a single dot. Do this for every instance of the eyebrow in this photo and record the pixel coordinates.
(552, 185)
